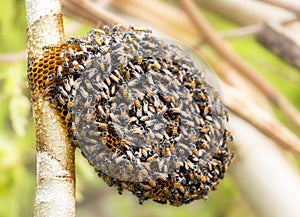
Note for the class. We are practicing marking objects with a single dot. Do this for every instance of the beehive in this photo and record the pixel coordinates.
(140, 111)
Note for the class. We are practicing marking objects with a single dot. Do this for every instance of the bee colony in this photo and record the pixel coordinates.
(140, 111)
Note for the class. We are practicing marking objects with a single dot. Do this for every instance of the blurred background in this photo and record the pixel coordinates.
(254, 48)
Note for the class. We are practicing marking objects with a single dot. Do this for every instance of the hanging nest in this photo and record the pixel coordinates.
(142, 114)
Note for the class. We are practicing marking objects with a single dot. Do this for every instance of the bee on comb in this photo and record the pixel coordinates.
(140, 111)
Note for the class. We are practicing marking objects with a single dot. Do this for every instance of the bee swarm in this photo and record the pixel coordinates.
(141, 112)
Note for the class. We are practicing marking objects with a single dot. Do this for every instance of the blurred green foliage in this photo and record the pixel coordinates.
(17, 141)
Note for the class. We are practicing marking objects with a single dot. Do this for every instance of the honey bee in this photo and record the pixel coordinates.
(147, 187)
(87, 103)
(50, 78)
(88, 84)
(139, 59)
(114, 78)
(59, 72)
(149, 123)
(103, 48)
(144, 118)
(152, 183)
(206, 111)
(139, 112)
(60, 99)
(63, 91)
(152, 158)
(137, 103)
(204, 144)
(133, 119)
(83, 92)
(153, 73)
(156, 65)
(144, 152)
(138, 130)
(156, 101)
(75, 63)
(130, 155)
(207, 138)
(132, 83)
(108, 82)
(159, 136)
(188, 123)
(178, 186)
(149, 95)
(70, 104)
(102, 66)
(137, 75)
(113, 90)
(127, 75)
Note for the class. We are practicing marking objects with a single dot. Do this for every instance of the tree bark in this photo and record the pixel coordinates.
(55, 179)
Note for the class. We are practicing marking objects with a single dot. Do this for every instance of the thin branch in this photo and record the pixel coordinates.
(86, 11)
(241, 31)
(55, 180)
(236, 33)
(211, 36)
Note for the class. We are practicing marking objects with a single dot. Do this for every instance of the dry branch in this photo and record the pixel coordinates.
(86, 11)
(55, 180)
(282, 42)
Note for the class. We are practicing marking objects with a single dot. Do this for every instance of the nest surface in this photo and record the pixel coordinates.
(142, 114)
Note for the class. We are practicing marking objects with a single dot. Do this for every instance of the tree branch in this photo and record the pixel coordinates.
(55, 180)
(86, 11)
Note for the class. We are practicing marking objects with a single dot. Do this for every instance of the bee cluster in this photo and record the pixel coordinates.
(142, 114)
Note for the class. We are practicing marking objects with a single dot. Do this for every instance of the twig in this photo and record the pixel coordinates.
(245, 69)
(236, 33)
(86, 11)
(241, 31)
(55, 180)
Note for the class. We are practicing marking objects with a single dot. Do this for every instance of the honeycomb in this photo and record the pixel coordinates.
(140, 111)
